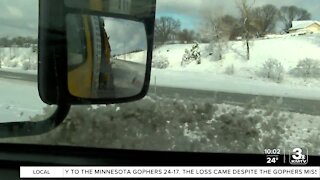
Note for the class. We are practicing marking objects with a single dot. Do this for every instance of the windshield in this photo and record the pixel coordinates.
(20, 100)
(227, 76)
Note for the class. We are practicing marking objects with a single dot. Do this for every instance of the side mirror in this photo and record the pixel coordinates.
(95, 51)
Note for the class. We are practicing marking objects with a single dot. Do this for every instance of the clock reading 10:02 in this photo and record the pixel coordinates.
(272, 151)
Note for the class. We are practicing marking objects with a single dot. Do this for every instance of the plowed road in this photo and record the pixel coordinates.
(311, 107)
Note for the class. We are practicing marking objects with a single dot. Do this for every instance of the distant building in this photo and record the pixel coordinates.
(305, 27)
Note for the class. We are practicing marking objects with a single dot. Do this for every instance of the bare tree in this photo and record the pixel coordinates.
(166, 28)
(186, 36)
(217, 31)
(247, 24)
(265, 19)
(231, 26)
(292, 13)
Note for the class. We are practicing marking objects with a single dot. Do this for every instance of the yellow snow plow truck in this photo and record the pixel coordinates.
(89, 66)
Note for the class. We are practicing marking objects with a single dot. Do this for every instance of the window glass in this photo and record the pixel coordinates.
(19, 97)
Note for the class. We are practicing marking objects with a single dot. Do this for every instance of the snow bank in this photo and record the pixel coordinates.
(19, 101)
(138, 57)
(225, 83)
(18, 58)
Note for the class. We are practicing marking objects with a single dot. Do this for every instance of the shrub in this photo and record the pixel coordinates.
(193, 55)
(230, 70)
(307, 68)
(12, 63)
(158, 123)
(34, 65)
(186, 58)
(160, 62)
(272, 69)
(216, 49)
(26, 65)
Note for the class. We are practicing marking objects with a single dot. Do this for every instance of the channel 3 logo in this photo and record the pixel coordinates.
(298, 156)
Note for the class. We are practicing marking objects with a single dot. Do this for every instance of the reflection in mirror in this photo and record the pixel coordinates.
(140, 8)
(19, 97)
(106, 56)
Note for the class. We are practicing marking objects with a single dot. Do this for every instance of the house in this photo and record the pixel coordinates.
(305, 27)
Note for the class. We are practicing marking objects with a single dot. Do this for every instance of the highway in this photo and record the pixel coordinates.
(287, 104)
(18, 76)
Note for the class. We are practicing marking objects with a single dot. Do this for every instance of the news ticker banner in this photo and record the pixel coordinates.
(170, 172)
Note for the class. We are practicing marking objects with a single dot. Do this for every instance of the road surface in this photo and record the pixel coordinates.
(18, 76)
(289, 104)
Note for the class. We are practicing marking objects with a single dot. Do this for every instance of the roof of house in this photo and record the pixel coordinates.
(303, 24)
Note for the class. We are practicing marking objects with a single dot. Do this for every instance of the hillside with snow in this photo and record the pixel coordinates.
(234, 73)
(18, 58)
(288, 50)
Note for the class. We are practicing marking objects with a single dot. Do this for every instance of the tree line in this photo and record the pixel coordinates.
(252, 22)
(217, 28)
(169, 29)
(18, 41)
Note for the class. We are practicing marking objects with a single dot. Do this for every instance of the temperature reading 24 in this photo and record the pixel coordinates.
(272, 160)
(272, 155)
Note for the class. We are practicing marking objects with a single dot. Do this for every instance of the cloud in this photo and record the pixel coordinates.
(125, 35)
(14, 12)
(19, 18)
(193, 9)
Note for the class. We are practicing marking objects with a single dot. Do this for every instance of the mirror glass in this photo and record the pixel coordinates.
(19, 96)
(106, 56)
(137, 8)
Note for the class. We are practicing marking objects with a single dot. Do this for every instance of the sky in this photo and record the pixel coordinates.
(189, 12)
(132, 37)
(20, 17)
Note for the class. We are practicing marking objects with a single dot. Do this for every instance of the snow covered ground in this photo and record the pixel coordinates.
(210, 74)
(233, 84)
(19, 100)
(245, 78)
(17, 59)
(287, 49)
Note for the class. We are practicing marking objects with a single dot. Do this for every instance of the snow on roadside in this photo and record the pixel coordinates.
(211, 75)
(224, 83)
(138, 57)
(17, 70)
(19, 100)
(16, 58)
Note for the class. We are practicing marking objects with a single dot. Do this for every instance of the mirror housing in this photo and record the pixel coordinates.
(58, 82)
